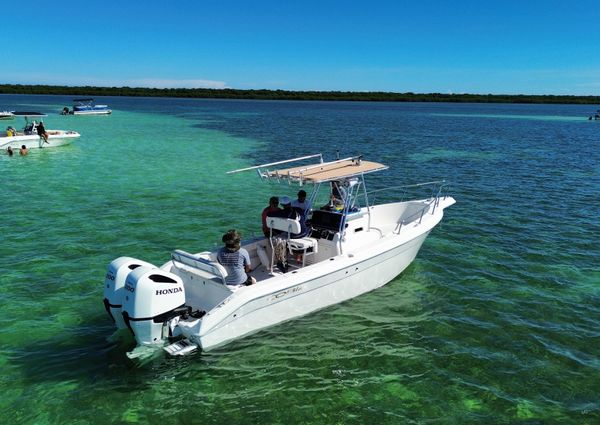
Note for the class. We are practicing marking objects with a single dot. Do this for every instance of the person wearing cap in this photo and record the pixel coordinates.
(287, 211)
(271, 208)
(235, 259)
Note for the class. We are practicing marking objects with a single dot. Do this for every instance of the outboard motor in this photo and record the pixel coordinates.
(152, 298)
(114, 283)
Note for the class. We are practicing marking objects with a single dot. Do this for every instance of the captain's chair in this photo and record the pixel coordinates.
(308, 246)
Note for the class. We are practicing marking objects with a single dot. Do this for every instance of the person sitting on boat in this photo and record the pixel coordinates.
(301, 202)
(271, 208)
(41, 130)
(294, 213)
(23, 151)
(280, 239)
(302, 207)
(287, 211)
(235, 259)
(336, 199)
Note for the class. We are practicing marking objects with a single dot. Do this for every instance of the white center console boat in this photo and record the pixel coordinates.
(29, 136)
(353, 247)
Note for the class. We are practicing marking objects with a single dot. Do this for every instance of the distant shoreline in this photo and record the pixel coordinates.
(294, 95)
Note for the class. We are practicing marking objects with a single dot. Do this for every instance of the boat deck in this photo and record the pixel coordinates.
(262, 273)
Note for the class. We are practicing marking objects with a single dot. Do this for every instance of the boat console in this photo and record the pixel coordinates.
(325, 224)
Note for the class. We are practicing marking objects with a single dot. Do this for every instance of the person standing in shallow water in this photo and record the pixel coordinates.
(23, 151)
(9, 151)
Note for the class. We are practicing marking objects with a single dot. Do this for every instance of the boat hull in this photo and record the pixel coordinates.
(33, 141)
(93, 112)
(341, 278)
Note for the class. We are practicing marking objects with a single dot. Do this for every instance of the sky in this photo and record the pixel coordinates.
(424, 46)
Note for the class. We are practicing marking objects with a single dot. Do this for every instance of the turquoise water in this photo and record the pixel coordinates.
(496, 321)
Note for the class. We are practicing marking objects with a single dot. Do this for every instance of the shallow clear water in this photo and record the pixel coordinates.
(497, 320)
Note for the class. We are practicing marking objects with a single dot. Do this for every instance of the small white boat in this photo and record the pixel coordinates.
(7, 115)
(29, 137)
(352, 249)
(86, 107)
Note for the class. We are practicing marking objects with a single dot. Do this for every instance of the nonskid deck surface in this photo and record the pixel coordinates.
(262, 273)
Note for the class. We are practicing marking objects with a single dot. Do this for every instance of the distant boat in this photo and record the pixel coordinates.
(86, 107)
(6, 115)
(596, 116)
(29, 137)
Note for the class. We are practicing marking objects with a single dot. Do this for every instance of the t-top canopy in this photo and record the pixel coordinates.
(337, 170)
(320, 172)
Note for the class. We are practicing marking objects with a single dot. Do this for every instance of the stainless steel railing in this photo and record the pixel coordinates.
(436, 190)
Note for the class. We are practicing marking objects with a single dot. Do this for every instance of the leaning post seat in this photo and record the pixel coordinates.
(291, 226)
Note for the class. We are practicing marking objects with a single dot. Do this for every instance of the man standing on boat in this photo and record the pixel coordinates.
(41, 130)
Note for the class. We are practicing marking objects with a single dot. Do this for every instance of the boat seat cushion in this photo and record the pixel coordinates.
(302, 244)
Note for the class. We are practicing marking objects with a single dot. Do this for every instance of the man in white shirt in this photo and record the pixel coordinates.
(301, 202)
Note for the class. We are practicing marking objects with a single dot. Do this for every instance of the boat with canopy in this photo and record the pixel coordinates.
(354, 245)
(86, 107)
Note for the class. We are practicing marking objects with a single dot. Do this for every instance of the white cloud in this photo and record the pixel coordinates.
(173, 84)
(34, 78)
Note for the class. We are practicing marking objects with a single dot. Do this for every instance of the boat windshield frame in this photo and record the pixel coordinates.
(83, 102)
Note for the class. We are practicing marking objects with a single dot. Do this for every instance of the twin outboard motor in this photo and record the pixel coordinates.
(114, 284)
(149, 298)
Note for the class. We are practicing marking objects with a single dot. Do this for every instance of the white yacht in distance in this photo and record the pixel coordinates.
(29, 137)
(352, 249)
(86, 107)
(7, 115)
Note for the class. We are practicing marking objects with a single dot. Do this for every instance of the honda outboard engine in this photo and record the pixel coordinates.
(114, 284)
(152, 298)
